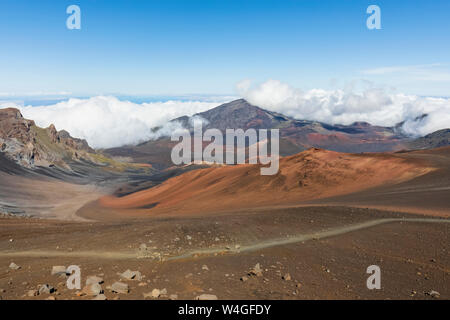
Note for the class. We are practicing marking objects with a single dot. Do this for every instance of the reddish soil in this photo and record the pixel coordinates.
(313, 174)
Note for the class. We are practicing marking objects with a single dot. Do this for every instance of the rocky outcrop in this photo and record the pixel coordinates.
(30, 146)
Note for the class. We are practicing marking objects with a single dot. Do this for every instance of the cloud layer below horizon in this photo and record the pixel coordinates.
(372, 105)
(106, 121)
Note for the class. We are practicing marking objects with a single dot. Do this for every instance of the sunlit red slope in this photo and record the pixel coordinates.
(311, 174)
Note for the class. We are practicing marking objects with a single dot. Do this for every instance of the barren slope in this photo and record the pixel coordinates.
(309, 175)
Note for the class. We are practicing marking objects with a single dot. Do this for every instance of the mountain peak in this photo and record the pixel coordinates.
(10, 113)
(240, 114)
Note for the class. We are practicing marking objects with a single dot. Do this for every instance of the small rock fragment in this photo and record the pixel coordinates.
(131, 275)
(156, 293)
(287, 277)
(59, 270)
(93, 289)
(120, 287)
(433, 293)
(206, 296)
(256, 271)
(46, 289)
(32, 293)
(14, 266)
(100, 297)
(93, 280)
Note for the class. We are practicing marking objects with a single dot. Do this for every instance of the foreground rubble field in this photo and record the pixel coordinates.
(291, 253)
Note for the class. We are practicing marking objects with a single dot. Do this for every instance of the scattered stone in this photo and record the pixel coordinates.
(237, 247)
(46, 289)
(32, 293)
(120, 287)
(256, 271)
(147, 295)
(93, 280)
(216, 239)
(298, 285)
(164, 292)
(244, 278)
(93, 289)
(142, 284)
(156, 293)
(143, 246)
(100, 297)
(205, 267)
(59, 270)
(433, 294)
(287, 277)
(173, 297)
(131, 275)
(14, 266)
(51, 298)
(188, 237)
(206, 296)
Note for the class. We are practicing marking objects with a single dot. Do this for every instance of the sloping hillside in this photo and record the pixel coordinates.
(311, 174)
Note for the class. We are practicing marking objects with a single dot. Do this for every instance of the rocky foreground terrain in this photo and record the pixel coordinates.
(292, 253)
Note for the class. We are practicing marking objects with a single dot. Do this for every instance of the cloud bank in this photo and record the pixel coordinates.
(106, 121)
(372, 105)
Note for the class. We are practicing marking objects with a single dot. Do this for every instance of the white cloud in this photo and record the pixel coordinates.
(106, 121)
(372, 105)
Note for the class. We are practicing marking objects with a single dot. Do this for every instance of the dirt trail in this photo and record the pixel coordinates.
(124, 255)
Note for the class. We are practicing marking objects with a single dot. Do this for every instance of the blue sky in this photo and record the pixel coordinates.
(169, 47)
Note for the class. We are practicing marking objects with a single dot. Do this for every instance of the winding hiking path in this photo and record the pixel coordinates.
(251, 247)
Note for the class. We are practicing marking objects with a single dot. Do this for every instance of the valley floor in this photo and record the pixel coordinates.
(325, 250)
